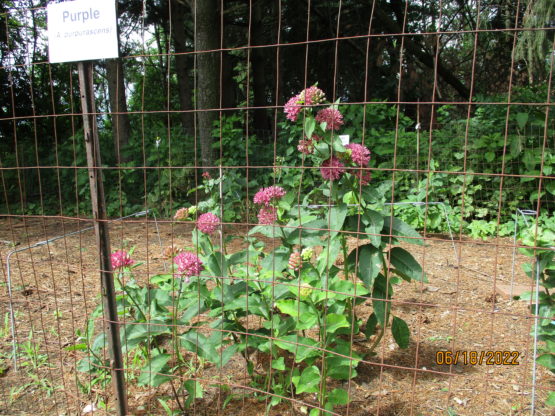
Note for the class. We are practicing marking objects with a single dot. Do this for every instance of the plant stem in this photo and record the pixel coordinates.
(345, 257)
(377, 340)
(124, 288)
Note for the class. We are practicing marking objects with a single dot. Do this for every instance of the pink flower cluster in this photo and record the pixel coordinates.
(188, 264)
(332, 117)
(181, 214)
(120, 258)
(363, 177)
(208, 223)
(206, 175)
(267, 215)
(292, 108)
(359, 154)
(295, 261)
(332, 169)
(309, 96)
(266, 196)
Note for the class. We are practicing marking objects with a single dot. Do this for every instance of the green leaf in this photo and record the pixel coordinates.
(90, 365)
(341, 372)
(547, 360)
(521, 119)
(309, 382)
(516, 146)
(381, 307)
(302, 347)
(202, 242)
(529, 160)
(217, 264)
(399, 229)
(371, 324)
(137, 333)
(270, 231)
(100, 342)
(341, 367)
(161, 278)
(369, 263)
(489, 156)
(401, 332)
(328, 255)
(406, 265)
(307, 316)
(194, 388)
(278, 364)
(227, 354)
(309, 126)
(149, 373)
(76, 347)
(227, 293)
(334, 322)
(346, 289)
(370, 195)
(338, 146)
(277, 260)
(373, 225)
(242, 257)
(308, 234)
(550, 399)
(336, 218)
(322, 149)
(197, 306)
(198, 343)
(338, 397)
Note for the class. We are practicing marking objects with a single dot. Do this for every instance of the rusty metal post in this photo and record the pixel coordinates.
(102, 234)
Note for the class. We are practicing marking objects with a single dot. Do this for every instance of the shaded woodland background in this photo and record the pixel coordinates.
(201, 84)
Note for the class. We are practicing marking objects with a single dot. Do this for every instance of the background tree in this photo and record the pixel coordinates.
(207, 38)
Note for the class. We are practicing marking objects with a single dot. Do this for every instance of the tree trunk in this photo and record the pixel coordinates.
(118, 106)
(258, 58)
(184, 86)
(207, 35)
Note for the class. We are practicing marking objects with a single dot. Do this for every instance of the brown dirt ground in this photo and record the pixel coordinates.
(56, 286)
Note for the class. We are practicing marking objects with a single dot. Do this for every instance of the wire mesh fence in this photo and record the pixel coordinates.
(322, 208)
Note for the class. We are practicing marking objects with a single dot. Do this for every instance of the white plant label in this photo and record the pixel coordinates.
(82, 30)
(344, 139)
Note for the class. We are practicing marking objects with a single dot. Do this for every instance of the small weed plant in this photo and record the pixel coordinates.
(287, 308)
(542, 272)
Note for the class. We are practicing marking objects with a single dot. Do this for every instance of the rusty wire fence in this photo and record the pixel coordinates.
(311, 208)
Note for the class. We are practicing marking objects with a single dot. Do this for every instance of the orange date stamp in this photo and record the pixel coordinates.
(477, 357)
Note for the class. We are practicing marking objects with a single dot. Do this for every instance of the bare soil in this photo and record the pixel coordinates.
(56, 286)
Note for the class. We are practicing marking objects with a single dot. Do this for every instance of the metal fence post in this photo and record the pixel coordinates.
(85, 70)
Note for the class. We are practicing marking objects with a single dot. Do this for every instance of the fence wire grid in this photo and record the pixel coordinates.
(314, 208)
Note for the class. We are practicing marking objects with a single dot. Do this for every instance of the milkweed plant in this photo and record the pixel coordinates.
(291, 309)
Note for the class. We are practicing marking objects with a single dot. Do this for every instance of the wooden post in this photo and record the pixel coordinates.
(92, 145)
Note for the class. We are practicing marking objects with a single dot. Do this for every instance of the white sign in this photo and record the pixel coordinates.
(344, 139)
(81, 30)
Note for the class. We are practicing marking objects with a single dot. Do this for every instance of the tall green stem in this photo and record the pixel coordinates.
(128, 293)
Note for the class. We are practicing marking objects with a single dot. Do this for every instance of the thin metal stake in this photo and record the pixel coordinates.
(536, 323)
(92, 145)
